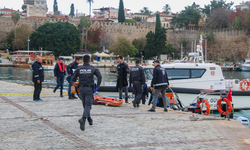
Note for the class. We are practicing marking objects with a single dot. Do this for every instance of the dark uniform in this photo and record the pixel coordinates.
(70, 70)
(122, 83)
(38, 74)
(144, 94)
(86, 82)
(60, 74)
(137, 77)
(160, 84)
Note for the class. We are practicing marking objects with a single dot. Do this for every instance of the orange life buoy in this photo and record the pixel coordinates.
(207, 104)
(243, 83)
(107, 101)
(230, 107)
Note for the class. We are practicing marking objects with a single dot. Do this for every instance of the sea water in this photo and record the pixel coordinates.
(24, 76)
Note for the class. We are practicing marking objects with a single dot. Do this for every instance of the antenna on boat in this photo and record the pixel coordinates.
(200, 50)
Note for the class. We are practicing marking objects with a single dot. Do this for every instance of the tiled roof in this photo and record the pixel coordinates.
(7, 9)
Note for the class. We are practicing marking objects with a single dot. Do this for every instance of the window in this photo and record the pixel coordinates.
(197, 73)
(43, 12)
(37, 2)
(42, 2)
(31, 6)
(178, 73)
(37, 12)
(31, 11)
(37, 7)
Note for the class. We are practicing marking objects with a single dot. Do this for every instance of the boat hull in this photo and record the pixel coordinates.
(241, 99)
(245, 67)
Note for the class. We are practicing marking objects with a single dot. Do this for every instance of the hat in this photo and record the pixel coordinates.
(157, 61)
(62, 59)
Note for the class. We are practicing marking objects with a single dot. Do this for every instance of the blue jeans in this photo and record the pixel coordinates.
(60, 81)
(70, 84)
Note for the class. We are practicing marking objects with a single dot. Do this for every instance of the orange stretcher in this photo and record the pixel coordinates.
(108, 101)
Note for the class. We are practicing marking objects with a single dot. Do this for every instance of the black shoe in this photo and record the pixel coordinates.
(134, 103)
(90, 121)
(151, 110)
(71, 97)
(82, 123)
(166, 110)
(54, 91)
(74, 97)
(61, 95)
(126, 100)
(138, 105)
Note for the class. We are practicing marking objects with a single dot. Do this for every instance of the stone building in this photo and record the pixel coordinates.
(35, 8)
(143, 16)
(165, 19)
(109, 12)
(6, 11)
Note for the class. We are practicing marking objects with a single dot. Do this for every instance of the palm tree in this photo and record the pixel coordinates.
(85, 24)
(146, 11)
(166, 9)
(15, 17)
(90, 1)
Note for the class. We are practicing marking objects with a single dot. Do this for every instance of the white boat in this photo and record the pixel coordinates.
(243, 120)
(188, 79)
(246, 65)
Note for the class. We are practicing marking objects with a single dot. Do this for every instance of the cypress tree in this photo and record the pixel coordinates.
(160, 36)
(72, 10)
(55, 8)
(150, 47)
(121, 15)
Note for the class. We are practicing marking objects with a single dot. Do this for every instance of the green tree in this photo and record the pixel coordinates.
(15, 18)
(167, 9)
(169, 49)
(184, 43)
(138, 19)
(55, 8)
(90, 1)
(61, 37)
(160, 36)
(130, 21)
(216, 4)
(123, 47)
(188, 16)
(140, 45)
(146, 11)
(85, 24)
(5, 45)
(72, 10)
(150, 47)
(121, 15)
(23, 7)
(237, 23)
(209, 36)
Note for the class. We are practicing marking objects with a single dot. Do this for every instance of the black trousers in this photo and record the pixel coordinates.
(137, 89)
(37, 91)
(87, 97)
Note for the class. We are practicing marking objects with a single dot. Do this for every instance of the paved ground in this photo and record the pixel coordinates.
(53, 124)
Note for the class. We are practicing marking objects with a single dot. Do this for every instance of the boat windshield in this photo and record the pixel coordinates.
(248, 63)
(174, 74)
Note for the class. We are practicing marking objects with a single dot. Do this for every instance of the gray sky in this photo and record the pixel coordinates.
(134, 5)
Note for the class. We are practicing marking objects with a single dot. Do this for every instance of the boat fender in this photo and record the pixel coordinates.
(207, 105)
(230, 107)
(243, 83)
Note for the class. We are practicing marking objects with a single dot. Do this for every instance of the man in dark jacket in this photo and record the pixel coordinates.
(159, 84)
(137, 77)
(122, 70)
(59, 74)
(37, 78)
(87, 88)
(70, 69)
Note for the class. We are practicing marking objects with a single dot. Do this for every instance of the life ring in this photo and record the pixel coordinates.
(243, 83)
(207, 104)
(229, 105)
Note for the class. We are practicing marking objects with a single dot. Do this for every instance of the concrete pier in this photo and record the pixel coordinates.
(53, 124)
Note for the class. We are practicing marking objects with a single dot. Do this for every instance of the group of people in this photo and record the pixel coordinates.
(137, 81)
(87, 87)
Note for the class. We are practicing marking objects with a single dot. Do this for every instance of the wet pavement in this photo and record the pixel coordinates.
(53, 124)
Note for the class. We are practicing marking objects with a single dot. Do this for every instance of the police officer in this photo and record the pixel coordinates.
(87, 88)
(59, 74)
(70, 69)
(137, 77)
(37, 78)
(122, 70)
(159, 84)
